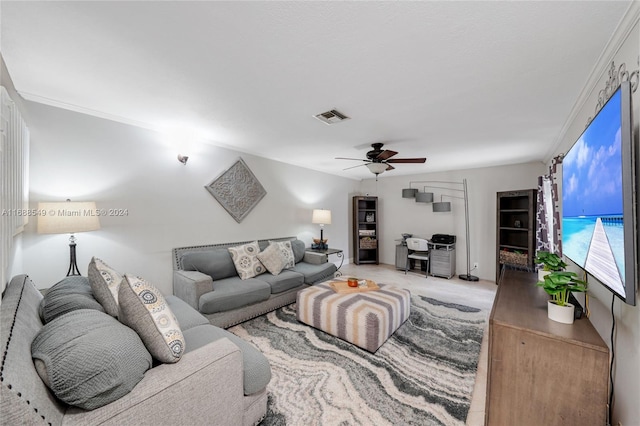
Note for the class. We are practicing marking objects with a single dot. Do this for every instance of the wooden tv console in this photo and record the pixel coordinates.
(542, 372)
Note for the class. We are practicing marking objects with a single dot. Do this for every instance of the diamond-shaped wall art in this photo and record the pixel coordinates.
(237, 190)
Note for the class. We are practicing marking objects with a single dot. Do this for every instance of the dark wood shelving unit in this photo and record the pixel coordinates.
(365, 230)
(515, 229)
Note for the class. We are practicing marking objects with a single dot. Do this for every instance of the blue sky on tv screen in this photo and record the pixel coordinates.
(592, 170)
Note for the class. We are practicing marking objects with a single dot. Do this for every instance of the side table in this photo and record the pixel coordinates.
(328, 252)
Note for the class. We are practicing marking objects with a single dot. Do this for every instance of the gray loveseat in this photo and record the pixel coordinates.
(220, 380)
(205, 277)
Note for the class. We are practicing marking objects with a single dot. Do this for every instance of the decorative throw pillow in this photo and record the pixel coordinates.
(245, 258)
(287, 252)
(70, 294)
(272, 259)
(144, 308)
(105, 282)
(298, 250)
(88, 359)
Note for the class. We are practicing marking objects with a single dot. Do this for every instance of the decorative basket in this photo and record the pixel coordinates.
(368, 243)
(513, 258)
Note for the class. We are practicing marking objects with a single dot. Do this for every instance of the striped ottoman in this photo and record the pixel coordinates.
(366, 319)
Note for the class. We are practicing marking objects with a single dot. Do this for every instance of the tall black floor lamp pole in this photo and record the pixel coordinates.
(467, 276)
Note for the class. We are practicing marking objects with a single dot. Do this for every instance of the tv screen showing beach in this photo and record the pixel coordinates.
(592, 199)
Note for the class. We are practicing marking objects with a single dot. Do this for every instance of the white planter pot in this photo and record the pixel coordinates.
(542, 273)
(563, 314)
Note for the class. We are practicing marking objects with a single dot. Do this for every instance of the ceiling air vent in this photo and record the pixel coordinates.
(331, 117)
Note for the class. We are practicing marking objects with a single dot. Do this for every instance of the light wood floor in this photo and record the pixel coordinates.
(477, 294)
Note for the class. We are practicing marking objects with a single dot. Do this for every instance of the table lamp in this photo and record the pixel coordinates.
(68, 218)
(321, 217)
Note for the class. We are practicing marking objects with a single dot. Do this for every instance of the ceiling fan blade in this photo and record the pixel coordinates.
(390, 167)
(345, 158)
(387, 153)
(353, 167)
(407, 160)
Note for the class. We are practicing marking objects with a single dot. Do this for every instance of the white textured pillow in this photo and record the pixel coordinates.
(144, 308)
(287, 252)
(105, 282)
(272, 259)
(245, 259)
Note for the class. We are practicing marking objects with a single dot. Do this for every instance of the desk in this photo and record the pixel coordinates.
(328, 252)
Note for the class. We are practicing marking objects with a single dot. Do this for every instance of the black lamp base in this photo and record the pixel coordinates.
(468, 277)
(73, 265)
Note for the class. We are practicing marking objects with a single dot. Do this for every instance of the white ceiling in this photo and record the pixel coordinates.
(465, 84)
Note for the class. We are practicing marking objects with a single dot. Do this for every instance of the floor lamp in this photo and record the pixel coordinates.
(445, 206)
(68, 218)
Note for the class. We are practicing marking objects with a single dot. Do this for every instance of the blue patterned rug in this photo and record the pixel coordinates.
(423, 375)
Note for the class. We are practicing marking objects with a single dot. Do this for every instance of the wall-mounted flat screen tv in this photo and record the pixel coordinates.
(599, 198)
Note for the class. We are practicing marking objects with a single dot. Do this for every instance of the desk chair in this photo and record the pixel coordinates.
(418, 249)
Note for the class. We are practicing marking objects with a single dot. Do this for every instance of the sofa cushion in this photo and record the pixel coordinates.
(89, 359)
(245, 259)
(256, 369)
(298, 250)
(286, 280)
(105, 282)
(143, 308)
(315, 273)
(232, 293)
(272, 259)
(287, 252)
(187, 316)
(217, 263)
(70, 294)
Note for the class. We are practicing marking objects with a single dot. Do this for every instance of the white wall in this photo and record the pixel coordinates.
(625, 48)
(125, 167)
(403, 215)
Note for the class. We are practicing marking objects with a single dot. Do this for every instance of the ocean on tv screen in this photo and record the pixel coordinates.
(577, 233)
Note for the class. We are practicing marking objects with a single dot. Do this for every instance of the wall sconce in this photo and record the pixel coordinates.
(183, 159)
(68, 218)
(445, 206)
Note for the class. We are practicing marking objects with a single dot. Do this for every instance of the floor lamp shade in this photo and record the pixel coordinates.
(443, 206)
(424, 197)
(409, 192)
(67, 217)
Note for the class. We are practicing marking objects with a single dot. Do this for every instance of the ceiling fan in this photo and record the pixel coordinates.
(379, 160)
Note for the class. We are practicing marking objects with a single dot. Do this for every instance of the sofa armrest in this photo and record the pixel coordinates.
(315, 258)
(204, 387)
(190, 285)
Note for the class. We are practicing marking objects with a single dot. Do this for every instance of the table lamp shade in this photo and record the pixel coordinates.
(67, 217)
(322, 217)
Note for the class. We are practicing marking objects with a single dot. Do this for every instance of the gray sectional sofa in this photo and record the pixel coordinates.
(205, 277)
(220, 379)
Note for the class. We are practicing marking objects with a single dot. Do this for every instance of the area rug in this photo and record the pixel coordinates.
(423, 375)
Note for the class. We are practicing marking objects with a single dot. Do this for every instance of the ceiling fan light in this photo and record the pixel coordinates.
(377, 168)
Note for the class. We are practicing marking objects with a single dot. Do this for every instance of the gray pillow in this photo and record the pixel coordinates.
(298, 250)
(217, 263)
(89, 359)
(70, 294)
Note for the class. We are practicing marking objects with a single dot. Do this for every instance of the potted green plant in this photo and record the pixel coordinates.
(559, 285)
(550, 262)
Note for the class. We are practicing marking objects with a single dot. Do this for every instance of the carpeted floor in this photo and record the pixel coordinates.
(423, 375)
